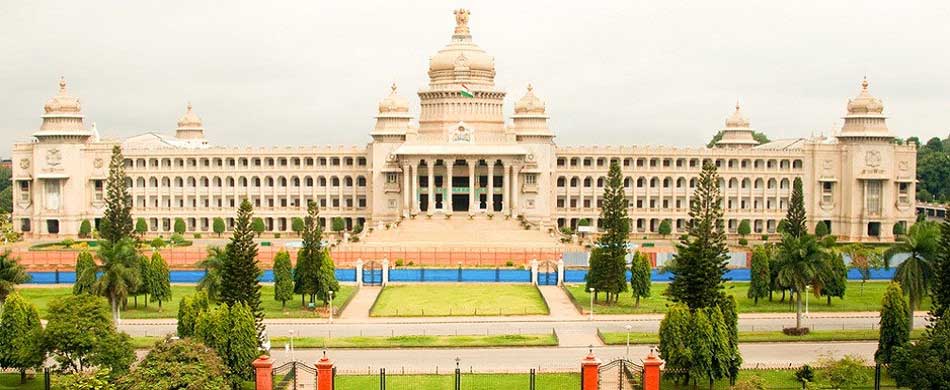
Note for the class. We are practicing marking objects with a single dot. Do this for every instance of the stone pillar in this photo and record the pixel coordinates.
(651, 371)
(560, 272)
(359, 272)
(385, 272)
(414, 190)
(472, 195)
(262, 372)
(515, 189)
(589, 374)
(324, 373)
(505, 188)
(534, 272)
(430, 168)
(406, 175)
(490, 203)
(447, 183)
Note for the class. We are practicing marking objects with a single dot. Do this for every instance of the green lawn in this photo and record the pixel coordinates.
(41, 296)
(777, 379)
(559, 381)
(620, 338)
(12, 381)
(854, 300)
(427, 300)
(510, 340)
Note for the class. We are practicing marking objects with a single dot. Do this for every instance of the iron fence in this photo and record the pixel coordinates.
(454, 379)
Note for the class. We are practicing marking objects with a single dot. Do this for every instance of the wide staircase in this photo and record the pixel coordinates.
(460, 231)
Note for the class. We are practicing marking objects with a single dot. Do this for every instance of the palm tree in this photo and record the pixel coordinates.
(915, 274)
(211, 282)
(803, 260)
(11, 274)
(120, 272)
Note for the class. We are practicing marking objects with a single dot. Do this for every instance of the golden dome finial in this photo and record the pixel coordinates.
(62, 84)
(864, 83)
(189, 105)
(530, 88)
(393, 87)
(461, 21)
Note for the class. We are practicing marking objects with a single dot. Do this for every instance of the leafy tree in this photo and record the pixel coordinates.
(744, 228)
(337, 224)
(86, 380)
(895, 329)
(821, 229)
(863, 259)
(117, 219)
(296, 224)
(283, 278)
(12, 273)
(141, 227)
(640, 276)
(675, 347)
(178, 364)
(232, 333)
(179, 226)
(795, 217)
(7, 234)
(189, 309)
(327, 276)
(213, 265)
(596, 274)
(258, 226)
(85, 274)
(761, 138)
(802, 261)
(760, 283)
(160, 282)
(665, 228)
(5, 175)
(616, 230)
(844, 373)
(6, 200)
(115, 352)
(702, 341)
(240, 271)
(85, 229)
(916, 274)
(146, 280)
(218, 226)
(121, 273)
(835, 282)
(923, 365)
(307, 274)
(941, 271)
(700, 262)
(898, 229)
(21, 336)
(76, 326)
(730, 315)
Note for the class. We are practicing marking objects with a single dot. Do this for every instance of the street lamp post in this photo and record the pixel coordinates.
(806, 299)
(330, 309)
(628, 327)
(591, 316)
(292, 358)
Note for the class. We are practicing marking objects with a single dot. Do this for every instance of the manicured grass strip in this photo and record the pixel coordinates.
(510, 340)
(12, 381)
(777, 379)
(552, 381)
(41, 297)
(437, 300)
(620, 338)
(854, 300)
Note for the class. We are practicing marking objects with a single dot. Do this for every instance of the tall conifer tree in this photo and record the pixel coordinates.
(309, 258)
(613, 241)
(240, 271)
(117, 218)
(895, 329)
(795, 218)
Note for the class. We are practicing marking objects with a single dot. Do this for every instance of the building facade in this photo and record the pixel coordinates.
(462, 157)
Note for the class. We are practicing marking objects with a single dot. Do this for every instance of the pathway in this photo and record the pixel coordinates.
(559, 303)
(362, 302)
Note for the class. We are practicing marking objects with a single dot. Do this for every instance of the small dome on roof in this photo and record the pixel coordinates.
(393, 103)
(864, 103)
(737, 120)
(62, 103)
(190, 120)
(529, 104)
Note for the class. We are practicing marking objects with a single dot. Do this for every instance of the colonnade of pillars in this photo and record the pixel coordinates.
(507, 204)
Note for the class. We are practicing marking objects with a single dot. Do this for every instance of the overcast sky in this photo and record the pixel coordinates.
(611, 72)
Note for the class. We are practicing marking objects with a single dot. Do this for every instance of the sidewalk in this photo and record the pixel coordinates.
(359, 306)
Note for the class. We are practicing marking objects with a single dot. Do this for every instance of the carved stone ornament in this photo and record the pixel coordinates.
(826, 165)
(24, 163)
(873, 158)
(97, 163)
(53, 157)
(530, 157)
(461, 134)
(903, 165)
(391, 157)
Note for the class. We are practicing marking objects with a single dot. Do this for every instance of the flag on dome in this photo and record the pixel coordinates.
(466, 92)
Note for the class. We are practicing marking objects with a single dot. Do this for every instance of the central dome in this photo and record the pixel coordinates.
(462, 61)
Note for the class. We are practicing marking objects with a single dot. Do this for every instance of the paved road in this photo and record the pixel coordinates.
(353, 361)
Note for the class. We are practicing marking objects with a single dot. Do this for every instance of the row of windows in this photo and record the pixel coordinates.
(347, 202)
(278, 224)
(241, 181)
(668, 182)
(245, 162)
(681, 203)
(656, 162)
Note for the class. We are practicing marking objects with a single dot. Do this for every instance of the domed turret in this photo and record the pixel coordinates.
(530, 118)
(62, 116)
(529, 104)
(189, 126)
(865, 118)
(393, 117)
(393, 103)
(737, 133)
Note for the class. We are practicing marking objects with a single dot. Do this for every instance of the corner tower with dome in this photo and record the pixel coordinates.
(461, 155)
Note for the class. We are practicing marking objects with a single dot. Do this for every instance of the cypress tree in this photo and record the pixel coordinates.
(307, 274)
(85, 274)
(640, 277)
(675, 346)
(730, 317)
(141, 227)
(283, 278)
(189, 310)
(613, 242)
(117, 218)
(795, 218)
(85, 229)
(722, 351)
(761, 276)
(596, 272)
(218, 226)
(232, 333)
(240, 273)
(327, 278)
(702, 342)
(21, 336)
(701, 256)
(836, 282)
(160, 280)
(895, 329)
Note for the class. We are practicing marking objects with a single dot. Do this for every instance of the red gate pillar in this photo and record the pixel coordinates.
(262, 372)
(324, 373)
(589, 374)
(651, 371)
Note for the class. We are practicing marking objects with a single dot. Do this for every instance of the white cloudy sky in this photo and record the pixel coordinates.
(611, 72)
